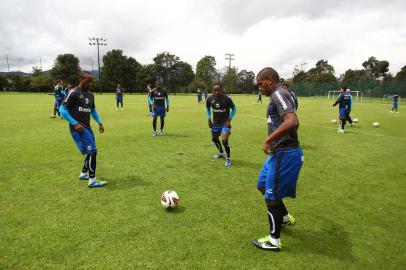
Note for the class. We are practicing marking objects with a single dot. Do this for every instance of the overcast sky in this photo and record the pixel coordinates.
(277, 33)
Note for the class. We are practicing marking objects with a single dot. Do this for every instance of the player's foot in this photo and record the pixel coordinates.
(228, 162)
(154, 134)
(52, 116)
(391, 111)
(161, 133)
(352, 124)
(219, 155)
(122, 109)
(265, 243)
(116, 109)
(97, 184)
(340, 131)
(83, 177)
(289, 221)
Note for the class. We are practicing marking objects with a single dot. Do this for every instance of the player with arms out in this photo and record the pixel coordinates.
(157, 99)
(345, 103)
(119, 97)
(76, 109)
(221, 124)
(280, 171)
(395, 103)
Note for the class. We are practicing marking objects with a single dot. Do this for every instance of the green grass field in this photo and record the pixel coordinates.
(350, 208)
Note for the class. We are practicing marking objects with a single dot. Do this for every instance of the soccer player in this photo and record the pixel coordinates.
(205, 94)
(285, 85)
(280, 171)
(59, 94)
(76, 109)
(259, 97)
(345, 102)
(221, 125)
(119, 96)
(395, 103)
(149, 90)
(157, 100)
(199, 95)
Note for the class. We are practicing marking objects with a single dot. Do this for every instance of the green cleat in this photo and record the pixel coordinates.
(291, 221)
(264, 243)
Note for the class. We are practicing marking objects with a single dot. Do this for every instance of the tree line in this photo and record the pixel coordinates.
(178, 76)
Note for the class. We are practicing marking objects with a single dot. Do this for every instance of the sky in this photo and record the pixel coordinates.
(281, 34)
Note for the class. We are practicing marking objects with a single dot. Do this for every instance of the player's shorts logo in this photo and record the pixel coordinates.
(89, 148)
(269, 190)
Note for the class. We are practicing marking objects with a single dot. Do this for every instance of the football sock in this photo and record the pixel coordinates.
(85, 167)
(92, 180)
(162, 123)
(342, 122)
(217, 143)
(226, 147)
(91, 164)
(349, 119)
(275, 218)
(154, 123)
(284, 211)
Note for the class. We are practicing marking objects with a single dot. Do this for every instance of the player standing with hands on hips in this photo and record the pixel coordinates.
(157, 99)
(280, 171)
(76, 109)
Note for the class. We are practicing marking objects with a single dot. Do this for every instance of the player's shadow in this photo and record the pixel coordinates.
(177, 210)
(307, 147)
(330, 240)
(127, 182)
(177, 135)
(247, 163)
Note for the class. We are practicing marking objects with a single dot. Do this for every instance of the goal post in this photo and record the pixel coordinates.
(333, 94)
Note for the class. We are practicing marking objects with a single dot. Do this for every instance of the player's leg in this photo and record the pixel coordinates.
(84, 173)
(215, 134)
(343, 119)
(154, 120)
(91, 151)
(225, 135)
(162, 118)
(117, 103)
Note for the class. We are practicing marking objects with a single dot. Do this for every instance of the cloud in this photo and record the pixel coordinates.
(259, 32)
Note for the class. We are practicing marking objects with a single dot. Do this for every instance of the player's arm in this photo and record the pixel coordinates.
(232, 113)
(63, 110)
(151, 100)
(96, 118)
(208, 114)
(290, 122)
(338, 100)
(167, 103)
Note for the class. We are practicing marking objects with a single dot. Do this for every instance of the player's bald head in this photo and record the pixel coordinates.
(268, 73)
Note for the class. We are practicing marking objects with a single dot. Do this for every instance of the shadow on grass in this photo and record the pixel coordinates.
(177, 210)
(130, 181)
(177, 135)
(246, 163)
(331, 240)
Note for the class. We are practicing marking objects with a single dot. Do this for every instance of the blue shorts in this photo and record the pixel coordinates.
(119, 98)
(395, 104)
(343, 113)
(220, 129)
(159, 111)
(85, 141)
(58, 103)
(280, 172)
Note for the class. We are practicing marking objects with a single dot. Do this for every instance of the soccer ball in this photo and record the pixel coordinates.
(334, 121)
(375, 124)
(169, 199)
(355, 120)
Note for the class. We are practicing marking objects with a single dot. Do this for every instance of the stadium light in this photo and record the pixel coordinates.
(98, 42)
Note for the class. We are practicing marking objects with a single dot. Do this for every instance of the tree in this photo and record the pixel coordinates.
(66, 68)
(197, 83)
(401, 75)
(163, 65)
(41, 83)
(146, 75)
(377, 68)
(118, 68)
(299, 77)
(36, 71)
(3, 82)
(322, 72)
(230, 80)
(206, 70)
(246, 81)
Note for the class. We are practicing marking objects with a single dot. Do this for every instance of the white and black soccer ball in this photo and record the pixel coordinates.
(355, 120)
(169, 199)
(375, 124)
(334, 121)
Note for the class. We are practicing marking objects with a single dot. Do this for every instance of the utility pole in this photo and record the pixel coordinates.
(98, 42)
(230, 58)
(8, 65)
(92, 68)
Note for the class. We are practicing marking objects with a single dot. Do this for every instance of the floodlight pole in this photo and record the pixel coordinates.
(229, 57)
(98, 42)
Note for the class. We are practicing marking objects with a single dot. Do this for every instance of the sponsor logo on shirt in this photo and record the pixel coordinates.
(86, 101)
(81, 109)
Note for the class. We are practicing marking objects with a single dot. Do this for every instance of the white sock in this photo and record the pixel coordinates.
(286, 218)
(92, 180)
(82, 174)
(274, 241)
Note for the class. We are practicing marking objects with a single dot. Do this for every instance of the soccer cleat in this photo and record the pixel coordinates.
(161, 133)
(219, 155)
(154, 134)
(264, 243)
(291, 221)
(52, 116)
(97, 184)
(352, 124)
(84, 177)
(228, 162)
(122, 109)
